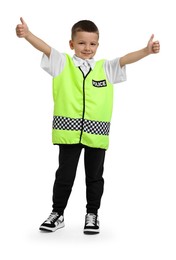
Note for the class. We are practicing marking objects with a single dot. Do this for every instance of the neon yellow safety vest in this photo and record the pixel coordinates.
(82, 106)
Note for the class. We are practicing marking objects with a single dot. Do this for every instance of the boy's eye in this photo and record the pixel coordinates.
(93, 44)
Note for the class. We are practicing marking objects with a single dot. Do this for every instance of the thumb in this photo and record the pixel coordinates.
(151, 38)
(22, 20)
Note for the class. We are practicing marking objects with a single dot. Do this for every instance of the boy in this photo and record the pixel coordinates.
(83, 97)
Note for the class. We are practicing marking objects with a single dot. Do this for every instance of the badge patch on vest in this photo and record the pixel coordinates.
(99, 84)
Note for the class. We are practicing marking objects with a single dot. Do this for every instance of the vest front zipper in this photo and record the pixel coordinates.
(83, 113)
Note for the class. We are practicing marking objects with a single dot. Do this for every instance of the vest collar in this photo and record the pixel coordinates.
(79, 62)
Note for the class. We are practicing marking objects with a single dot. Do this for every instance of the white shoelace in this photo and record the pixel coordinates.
(90, 219)
(52, 217)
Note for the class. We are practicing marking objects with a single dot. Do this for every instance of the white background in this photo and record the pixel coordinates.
(138, 214)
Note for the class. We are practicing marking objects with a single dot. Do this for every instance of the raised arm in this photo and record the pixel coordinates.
(22, 31)
(152, 47)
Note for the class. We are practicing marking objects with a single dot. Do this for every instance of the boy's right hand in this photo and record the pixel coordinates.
(22, 29)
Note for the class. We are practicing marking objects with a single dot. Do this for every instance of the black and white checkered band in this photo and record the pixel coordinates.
(89, 126)
(66, 123)
(96, 127)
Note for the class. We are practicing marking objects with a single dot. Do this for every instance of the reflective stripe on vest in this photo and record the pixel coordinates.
(92, 127)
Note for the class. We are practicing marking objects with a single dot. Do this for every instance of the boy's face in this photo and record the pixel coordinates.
(84, 44)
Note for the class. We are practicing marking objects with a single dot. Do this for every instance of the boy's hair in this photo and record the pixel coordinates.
(84, 26)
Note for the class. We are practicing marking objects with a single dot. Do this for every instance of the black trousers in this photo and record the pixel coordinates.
(65, 175)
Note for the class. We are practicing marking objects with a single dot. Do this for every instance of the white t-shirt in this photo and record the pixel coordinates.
(56, 62)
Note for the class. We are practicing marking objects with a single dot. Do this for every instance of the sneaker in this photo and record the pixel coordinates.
(91, 224)
(53, 222)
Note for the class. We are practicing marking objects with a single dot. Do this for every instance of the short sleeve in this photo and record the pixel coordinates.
(114, 72)
(54, 64)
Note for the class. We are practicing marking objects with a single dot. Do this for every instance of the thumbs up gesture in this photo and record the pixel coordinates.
(22, 29)
(153, 46)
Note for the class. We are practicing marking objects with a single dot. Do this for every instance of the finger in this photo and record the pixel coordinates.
(19, 26)
(19, 30)
(156, 44)
(156, 48)
(22, 20)
(151, 38)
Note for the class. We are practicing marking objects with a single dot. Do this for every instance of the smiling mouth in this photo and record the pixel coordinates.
(86, 53)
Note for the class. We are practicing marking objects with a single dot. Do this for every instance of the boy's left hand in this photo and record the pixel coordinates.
(153, 46)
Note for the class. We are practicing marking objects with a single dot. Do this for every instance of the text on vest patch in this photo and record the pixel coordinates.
(99, 84)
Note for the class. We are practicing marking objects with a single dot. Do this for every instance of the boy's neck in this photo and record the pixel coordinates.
(82, 58)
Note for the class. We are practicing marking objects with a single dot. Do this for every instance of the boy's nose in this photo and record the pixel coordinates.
(87, 47)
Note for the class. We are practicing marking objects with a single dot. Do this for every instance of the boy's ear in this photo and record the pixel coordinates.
(71, 44)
